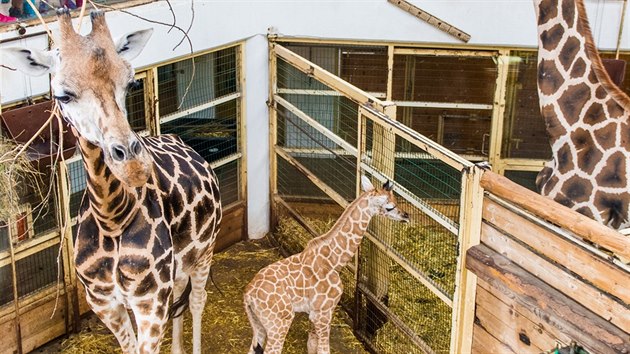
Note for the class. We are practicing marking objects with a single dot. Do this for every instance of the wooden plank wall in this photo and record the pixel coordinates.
(540, 285)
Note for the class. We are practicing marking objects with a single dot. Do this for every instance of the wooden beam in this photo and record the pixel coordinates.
(557, 214)
(296, 215)
(596, 270)
(560, 278)
(485, 343)
(432, 20)
(551, 306)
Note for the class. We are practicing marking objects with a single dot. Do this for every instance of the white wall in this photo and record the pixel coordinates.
(217, 22)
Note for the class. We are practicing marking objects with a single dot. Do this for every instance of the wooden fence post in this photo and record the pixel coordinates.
(471, 207)
(273, 134)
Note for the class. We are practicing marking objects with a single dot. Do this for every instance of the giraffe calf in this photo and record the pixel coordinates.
(309, 281)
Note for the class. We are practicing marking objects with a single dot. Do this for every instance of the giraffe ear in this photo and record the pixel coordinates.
(32, 62)
(131, 44)
(366, 184)
(388, 186)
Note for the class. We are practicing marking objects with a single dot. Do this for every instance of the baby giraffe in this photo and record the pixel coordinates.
(309, 281)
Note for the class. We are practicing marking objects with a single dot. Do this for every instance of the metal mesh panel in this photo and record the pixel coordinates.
(136, 112)
(78, 183)
(6, 282)
(211, 132)
(524, 127)
(37, 271)
(406, 274)
(228, 182)
(215, 75)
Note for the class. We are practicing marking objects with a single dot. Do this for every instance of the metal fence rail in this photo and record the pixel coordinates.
(403, 291)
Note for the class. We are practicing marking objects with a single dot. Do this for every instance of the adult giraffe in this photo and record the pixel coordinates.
(151, 210)
(586, 115)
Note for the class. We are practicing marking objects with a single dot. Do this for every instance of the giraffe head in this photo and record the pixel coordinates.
(381, 201)
(90, 77)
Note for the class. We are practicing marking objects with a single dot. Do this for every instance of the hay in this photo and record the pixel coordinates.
(15, 169)
(225, 325)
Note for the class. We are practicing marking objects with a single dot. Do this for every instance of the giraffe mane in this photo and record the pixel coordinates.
(597, 64)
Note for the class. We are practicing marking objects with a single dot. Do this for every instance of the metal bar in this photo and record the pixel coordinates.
(448, 105)
(446, 52)
(226, 160)
(332, 93)
(207, 105)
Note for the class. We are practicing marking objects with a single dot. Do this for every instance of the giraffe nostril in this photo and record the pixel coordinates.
(136, 148)
(118, 153)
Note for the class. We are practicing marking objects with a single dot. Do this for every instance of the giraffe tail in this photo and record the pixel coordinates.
(179, 306)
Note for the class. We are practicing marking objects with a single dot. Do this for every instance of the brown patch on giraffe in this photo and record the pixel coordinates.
(565, 159)
(549, 78)
(155, 330)
(613, 174)
(578, 69)
(132, 264)
(568, 12)
(568, 52)
(613, 207)
(573, 100)
(614, 109)
(551, 37)
(592, 77)
(586, 212)
(190, 257)
(594, 114)
(600, 92)
(606, 136)
(588, 155)
(577, 189)
(547, 10)
(147, 285)
(542, 179)
(144, 306)
(553, 124)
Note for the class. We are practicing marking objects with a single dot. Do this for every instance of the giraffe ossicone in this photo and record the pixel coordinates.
(309, 281)
(586, 115)
(151, 210)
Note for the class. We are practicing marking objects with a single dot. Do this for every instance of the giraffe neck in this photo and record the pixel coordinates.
(338, 246)
(113, 204)
(571, 72)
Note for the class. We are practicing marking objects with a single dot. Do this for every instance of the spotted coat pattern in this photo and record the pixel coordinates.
(586, 117)
(309, 281)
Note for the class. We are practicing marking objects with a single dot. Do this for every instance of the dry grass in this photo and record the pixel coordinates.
(15, 169)
(225, 325)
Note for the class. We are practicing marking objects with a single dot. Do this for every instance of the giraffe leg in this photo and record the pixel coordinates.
(277, 330)
(319, 337)
(258, 339)
(197, 303)
(115, 317)
(150, 324)
(178, 322)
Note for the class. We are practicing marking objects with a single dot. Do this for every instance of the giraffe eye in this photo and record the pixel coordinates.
(64, 99)
(390, 208)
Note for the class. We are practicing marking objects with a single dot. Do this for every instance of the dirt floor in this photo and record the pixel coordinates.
(225, 325)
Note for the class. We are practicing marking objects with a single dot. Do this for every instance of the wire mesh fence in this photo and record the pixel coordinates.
(401, 288)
